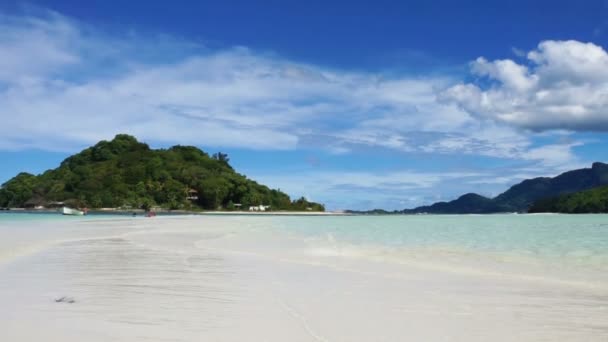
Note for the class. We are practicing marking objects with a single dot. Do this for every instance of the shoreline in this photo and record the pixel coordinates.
(166, 212)
(286, 212)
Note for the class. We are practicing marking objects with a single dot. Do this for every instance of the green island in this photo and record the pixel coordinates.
(128, 174)
(588, 201)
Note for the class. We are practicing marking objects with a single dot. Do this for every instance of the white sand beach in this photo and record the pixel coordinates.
(222, 278)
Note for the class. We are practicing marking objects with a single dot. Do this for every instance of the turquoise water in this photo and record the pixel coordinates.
(571, 239)
(576, 239)
(7, 216)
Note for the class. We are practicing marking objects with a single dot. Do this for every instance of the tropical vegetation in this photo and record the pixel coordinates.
(127, 173)
(588, 201)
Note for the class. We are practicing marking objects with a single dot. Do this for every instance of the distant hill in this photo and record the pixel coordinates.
(465, 204)
(521, 196)
(370, 212)
(589, 201)
(127, 173)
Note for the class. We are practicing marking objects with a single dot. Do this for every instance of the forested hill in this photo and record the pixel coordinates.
(589, 201)
(127, 173)
(466, 204)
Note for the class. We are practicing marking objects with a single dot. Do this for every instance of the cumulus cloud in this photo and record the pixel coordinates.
(563, 85)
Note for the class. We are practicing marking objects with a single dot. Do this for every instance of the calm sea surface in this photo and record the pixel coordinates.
(571, 239)
(561, 240)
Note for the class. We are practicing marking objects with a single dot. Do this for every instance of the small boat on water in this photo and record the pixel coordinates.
(70, 211)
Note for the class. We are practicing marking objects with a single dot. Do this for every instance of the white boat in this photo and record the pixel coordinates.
(70, 211)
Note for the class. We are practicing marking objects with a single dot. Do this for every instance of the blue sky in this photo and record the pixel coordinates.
(361, 105)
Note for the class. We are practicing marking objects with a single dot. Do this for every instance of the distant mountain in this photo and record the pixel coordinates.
(127, 173)
(466, 204)
(589, 201)
(521, 196)
(371, 212)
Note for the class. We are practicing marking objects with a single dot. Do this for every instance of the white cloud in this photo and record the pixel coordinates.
(571, 62)
(552, 155)
(565, 86)
(513, 76)
(64, 85)
(33, 46)
(78, 85)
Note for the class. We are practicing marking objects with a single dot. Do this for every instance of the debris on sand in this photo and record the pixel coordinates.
(64, 299)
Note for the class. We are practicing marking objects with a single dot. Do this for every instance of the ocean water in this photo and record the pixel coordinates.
(576, 239)
(15, 217)
(10, 218)
(573, 239)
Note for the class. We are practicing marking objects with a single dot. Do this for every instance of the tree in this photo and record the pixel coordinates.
(5, 197)
(213, 192)
(19, 189)
(222, 158)
(146, 204)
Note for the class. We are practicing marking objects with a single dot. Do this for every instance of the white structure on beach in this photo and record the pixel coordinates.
(192, 195)
(259, 207)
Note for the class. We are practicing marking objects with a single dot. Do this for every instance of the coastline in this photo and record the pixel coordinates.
(122, 212)
(275, 213)
(167, 212)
